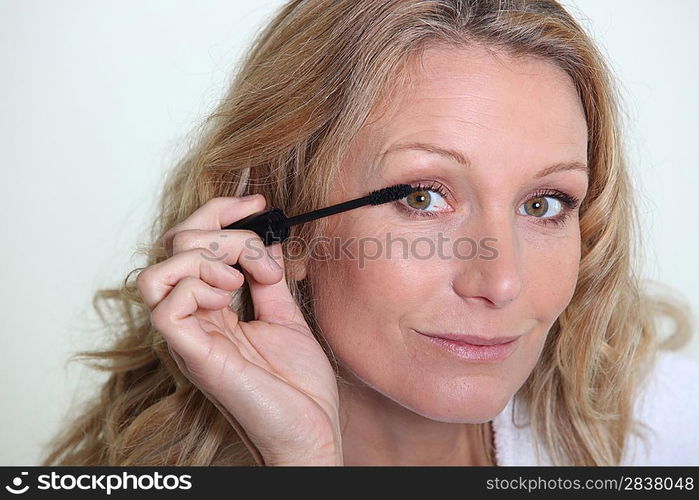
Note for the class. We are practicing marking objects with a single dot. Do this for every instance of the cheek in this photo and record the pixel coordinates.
(551, 275)
(364, 297)
(367, 273)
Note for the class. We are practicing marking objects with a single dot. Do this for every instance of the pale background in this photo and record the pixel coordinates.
(96, 97)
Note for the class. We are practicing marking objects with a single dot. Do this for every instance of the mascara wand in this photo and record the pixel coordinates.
(273, 225)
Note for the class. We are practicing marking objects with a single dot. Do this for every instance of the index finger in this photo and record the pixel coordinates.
(216, 214)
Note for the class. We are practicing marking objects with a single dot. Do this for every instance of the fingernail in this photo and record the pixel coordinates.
(248, 197)
(221, 291)
(232, 270)
(273, 263)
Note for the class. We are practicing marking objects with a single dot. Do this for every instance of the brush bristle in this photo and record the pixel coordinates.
(389, 194)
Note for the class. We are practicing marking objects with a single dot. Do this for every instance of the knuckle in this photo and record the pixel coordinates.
(160, 317)
(203, 254)
(251, 240)
(189, 282)
(143, 278)
(169, 233)
(167, 239)
(253, 252)
(256, 239)
(182, 240)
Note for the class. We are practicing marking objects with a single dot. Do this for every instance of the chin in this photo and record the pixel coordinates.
(452, 403)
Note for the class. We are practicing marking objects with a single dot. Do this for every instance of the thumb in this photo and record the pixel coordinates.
(274, 303)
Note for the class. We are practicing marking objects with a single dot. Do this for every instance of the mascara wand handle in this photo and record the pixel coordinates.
(267, 225)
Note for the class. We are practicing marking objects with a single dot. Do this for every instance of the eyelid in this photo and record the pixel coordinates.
(569, 200)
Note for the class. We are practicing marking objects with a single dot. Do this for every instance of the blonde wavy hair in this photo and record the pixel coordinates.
(313, 76)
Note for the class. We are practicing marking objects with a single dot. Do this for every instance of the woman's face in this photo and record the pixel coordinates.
(505, 122)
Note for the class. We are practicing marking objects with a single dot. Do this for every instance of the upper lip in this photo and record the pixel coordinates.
(472, 339)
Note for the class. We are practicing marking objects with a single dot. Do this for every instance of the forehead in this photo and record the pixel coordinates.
(486, 104)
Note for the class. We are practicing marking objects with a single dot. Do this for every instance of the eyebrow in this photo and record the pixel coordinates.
(458, 157)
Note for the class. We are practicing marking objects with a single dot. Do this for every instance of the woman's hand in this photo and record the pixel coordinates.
(270, 374)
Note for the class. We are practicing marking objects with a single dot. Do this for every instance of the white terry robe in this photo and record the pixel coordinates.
(668, 404)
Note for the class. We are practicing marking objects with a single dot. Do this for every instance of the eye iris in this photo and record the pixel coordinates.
(419, 199)
(540, 206)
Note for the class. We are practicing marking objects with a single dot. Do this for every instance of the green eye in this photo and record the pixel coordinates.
(428, 201)
(539, 206)
(419, 200)
(549, 206)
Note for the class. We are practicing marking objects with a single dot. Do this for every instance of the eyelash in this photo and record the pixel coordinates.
(569, 202)
(414, 213)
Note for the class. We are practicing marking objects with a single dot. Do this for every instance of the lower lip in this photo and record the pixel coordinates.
(488, 353)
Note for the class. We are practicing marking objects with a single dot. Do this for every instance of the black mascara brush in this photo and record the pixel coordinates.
(273, 225)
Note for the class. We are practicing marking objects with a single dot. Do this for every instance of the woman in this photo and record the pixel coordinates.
(504, 112)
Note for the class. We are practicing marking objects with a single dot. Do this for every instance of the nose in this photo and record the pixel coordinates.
(494, 274)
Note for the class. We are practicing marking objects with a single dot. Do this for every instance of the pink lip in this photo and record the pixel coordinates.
(472, 339)
(475, 348)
